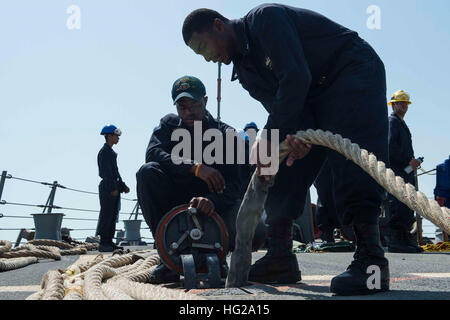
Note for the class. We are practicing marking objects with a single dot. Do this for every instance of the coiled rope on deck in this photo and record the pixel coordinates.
(7, 264)
(32, 251)
(53, 243)
(5, 246)
(16, 263)
(115, 278)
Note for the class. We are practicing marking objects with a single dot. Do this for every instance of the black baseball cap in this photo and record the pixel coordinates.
(188, 86)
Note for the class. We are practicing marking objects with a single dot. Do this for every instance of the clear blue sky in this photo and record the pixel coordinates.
(58, 87)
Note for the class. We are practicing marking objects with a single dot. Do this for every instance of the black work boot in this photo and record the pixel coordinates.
(163, 274)
(411, 239)
(105, 247)
(279, 265)
(327, 235)
(401, 241)
(369, 271)
(116, 247)
(347, 233)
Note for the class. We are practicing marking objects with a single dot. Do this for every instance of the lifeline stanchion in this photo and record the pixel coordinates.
(135, 211)
(2, 183)
(419, 231)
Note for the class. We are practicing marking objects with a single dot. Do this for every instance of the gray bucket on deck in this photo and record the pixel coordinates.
(132, 233)
(48, 225)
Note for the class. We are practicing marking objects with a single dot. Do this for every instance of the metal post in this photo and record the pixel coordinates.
(51, 198)
(2, 183)
(135, 211)
(219, 89)
(305, 222)
(418, 217)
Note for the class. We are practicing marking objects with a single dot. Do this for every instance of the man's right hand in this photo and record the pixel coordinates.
(203, 205)
(212, 177)
(415, 164)
(115, 193)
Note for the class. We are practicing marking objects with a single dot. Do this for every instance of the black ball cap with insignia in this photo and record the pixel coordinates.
(188, 86)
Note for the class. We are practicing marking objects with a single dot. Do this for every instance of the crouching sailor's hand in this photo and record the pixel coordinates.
(203, 205)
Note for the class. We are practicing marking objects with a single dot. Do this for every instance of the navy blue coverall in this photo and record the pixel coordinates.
(312, 73)
(400, 154)
(163, 185)
(109, 204)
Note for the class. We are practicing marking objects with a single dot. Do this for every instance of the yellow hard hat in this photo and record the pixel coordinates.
(400, 96)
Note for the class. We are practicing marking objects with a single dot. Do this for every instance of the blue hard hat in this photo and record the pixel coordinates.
(251, 125)
(111, 129)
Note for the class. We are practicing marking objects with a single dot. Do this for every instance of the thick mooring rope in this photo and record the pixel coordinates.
(14, 258)
(53, 286)
(5, 246)
(404, 192)
(16, 263)
(115, 278)
(32, 252)
(52, 243)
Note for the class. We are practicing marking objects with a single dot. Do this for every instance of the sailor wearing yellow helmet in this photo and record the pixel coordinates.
(400, 102)
(401, 155)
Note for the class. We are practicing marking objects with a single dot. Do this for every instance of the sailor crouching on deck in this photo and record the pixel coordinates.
(162, 184)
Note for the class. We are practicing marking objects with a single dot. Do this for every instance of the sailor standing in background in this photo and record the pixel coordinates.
(109, 189)
(401, 155)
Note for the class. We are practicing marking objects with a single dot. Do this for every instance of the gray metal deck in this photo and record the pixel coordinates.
(413, 276)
